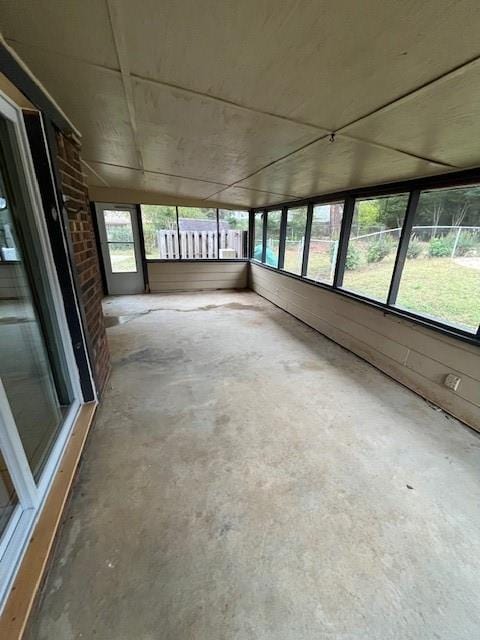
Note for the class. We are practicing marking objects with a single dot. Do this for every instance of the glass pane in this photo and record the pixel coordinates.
(198, 232)
(295, 239)
(233, 226)
(441, 276)
(122, 257)
(322, 255)
(118, 225)
(258, 236)
(373, 243)
(8, 497)
(160, 232)
(33, 376)
(273, 237)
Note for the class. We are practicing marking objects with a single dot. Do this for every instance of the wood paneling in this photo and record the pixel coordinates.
(194, 276)
(413, 355)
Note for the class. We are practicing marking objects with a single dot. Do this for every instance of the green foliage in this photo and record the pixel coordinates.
(296, 222)
(232, 222)
(440, 247)
(414, 249)
(449, 207)
(120, 233)
(381, 213)
(354, 258)
(467, 242)
(378, 250)
(368, 213)
(155, 217)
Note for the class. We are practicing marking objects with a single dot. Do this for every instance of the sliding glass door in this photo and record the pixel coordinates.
(39, 389)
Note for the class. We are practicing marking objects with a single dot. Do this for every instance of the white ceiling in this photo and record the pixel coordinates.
(228, 101)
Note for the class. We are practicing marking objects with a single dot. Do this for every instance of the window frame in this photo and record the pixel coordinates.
(413, 188)
(181, 258)
(306, 237)
(265, 235)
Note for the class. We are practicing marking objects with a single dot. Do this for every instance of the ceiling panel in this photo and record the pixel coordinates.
(92, 177)
(192, 136)
(322, 62)
(311, 61)
(324, 167)
(78, 29)
(125, 178)
(247, 197)
(440, 122)
(94, 100)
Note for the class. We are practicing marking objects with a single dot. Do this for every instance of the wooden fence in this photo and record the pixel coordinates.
(199, 244)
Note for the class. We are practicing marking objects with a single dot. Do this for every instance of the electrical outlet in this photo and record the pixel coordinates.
(452, 382)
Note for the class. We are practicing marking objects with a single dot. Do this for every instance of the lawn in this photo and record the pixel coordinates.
(437, 287)
(122, 259)
(440, 288)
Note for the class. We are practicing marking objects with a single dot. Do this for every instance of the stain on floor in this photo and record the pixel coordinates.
(248, 479)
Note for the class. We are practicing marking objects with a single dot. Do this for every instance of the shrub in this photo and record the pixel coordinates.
(354, 257)
(378, 250)
(440, 247)
(466, 243)
(414, 249)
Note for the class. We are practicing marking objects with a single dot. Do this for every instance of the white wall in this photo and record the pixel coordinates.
(194, 276)
(415, 356)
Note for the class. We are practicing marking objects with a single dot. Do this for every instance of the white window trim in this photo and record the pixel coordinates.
(31, 496)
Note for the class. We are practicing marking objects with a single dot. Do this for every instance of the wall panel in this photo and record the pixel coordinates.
(195, 276)
(413, 355)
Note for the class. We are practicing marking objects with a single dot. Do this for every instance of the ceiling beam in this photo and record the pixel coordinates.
(122, 56)
(95, 173)
(87, 163)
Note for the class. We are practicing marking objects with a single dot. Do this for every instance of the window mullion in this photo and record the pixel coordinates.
(264, 236)
(251, 234)
(403, 246)
(178, 235)
(306, 243)
(283, 235)
(343, 240)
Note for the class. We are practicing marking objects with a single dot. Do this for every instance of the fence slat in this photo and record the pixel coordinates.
(197, 244)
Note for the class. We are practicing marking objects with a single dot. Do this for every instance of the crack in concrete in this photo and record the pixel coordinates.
(112, 321)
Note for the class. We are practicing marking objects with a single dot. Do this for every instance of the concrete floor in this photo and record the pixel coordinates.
(249, 479)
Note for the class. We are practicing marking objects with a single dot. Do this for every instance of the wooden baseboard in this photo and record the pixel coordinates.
(29, 577)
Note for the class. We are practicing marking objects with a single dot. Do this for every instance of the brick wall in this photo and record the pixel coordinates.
(85, 254)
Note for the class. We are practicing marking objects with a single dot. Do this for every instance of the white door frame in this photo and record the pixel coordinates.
(120, 283)
(31, 495)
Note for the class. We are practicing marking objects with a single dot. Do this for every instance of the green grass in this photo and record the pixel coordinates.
(372, 280)
(122, 260)
(437, 287)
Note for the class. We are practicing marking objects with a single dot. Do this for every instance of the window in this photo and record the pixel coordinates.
(273, 237)
(258, 235)
(233, 239)
(120, 242)
(160, 232)
(441, 274)
(295, 239)
(198, 233)
(322, 253)
(373, 243)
